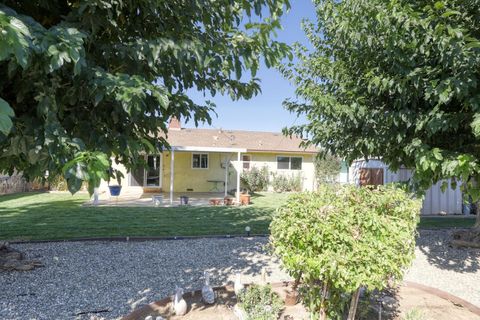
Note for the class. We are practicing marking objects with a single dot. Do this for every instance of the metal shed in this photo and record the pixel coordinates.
(435, 202)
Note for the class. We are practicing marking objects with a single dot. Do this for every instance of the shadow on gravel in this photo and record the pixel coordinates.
(436, 247)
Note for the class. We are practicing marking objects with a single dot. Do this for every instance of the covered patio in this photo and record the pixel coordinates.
(164, 199)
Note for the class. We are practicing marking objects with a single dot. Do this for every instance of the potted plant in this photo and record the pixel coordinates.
(115, 189)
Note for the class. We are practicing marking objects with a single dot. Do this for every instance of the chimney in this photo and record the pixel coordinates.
(174, 124)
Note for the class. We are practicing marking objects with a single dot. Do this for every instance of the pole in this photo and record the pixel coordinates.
(172, 167)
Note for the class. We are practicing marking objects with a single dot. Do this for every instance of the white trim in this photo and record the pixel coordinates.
(207, 149)
(289, 162)
(201, 154)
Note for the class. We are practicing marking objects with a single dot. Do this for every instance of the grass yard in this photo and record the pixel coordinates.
(50, 216)
(53, 216)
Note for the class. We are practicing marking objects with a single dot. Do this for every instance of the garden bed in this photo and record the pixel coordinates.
(410, 298)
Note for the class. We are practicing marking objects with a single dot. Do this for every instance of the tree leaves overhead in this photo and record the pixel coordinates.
(94, 79)
(397, 80)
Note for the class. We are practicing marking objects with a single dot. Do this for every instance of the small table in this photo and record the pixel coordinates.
(215, 184)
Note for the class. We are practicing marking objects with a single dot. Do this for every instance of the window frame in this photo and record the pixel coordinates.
(200, 160)
(290, 162)
(246, 162)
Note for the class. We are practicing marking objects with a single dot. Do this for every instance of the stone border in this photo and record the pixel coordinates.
(153, 238)
(446, 296)
(140, 239)
(144, 311)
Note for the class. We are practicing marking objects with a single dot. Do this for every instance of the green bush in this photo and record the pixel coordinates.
(260, 303)
(284, 183)
(254, 180)
(342, 238)
(58, 183)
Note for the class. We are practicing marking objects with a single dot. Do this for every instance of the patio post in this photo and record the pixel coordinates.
(172, 167)
(238, 177)
(227, 164)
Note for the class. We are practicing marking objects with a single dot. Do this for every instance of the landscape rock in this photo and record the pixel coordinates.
(12, 260)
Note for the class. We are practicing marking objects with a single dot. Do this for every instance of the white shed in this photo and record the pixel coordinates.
(435, 202)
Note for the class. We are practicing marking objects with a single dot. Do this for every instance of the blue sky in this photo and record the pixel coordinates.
(264, 112)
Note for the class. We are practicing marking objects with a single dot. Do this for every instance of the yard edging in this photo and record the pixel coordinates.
(138, 239)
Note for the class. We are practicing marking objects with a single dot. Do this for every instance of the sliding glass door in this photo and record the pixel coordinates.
(152, 173)
(151, 176)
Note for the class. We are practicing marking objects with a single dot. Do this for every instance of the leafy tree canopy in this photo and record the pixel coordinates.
(82, 80)
(398, 80)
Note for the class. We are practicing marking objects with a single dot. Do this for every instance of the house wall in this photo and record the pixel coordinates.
(269, 160)
(197, 180)
(186, 177)
(435, 201)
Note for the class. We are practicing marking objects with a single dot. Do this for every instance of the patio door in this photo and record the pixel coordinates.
(153, 175)
(149, 177)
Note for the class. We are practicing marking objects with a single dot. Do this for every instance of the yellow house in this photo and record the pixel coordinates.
(208, 160)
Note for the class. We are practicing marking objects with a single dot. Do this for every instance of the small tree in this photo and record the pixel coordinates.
(344, 238)
(397, 80)
(327, 168)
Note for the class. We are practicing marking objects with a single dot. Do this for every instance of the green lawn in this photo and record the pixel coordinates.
(447, 222)
(44, 216)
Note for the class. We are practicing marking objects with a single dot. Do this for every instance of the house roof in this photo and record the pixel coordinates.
(252, 141)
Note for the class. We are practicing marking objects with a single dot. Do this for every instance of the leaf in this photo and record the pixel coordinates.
(439, 5)
(449, 13)
(6, 112)
(476, 125)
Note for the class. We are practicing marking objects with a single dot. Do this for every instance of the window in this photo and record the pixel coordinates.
(289, 163)
(246, 162)
(199, 160)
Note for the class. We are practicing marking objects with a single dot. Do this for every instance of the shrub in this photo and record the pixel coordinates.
(284, 183)
(260, 303)
(342, 238)
(255, 180)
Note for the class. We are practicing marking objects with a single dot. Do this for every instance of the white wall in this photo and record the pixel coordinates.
(435, 200)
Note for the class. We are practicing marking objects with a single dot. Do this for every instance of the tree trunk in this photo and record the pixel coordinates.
(469, 238)
(323, 308)
(353, 305)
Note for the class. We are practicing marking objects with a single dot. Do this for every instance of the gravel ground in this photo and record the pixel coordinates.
(80, 278)
(456, 271)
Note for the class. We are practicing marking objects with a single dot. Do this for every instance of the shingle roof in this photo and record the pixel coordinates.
(253, 141)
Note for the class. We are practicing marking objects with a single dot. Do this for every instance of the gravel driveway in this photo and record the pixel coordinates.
(86, 280)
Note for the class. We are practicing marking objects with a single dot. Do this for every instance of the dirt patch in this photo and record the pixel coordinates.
(431, 304)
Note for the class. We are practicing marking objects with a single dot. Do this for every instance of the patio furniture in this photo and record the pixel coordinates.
(216, 185)
(183, 200)
(157, 199)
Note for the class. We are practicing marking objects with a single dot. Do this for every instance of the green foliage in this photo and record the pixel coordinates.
(327, 168)
(397, 80)
(84, 78)
(342, 238)
(414, 314)
(255, 180)
(287, 183)
(260, 303)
